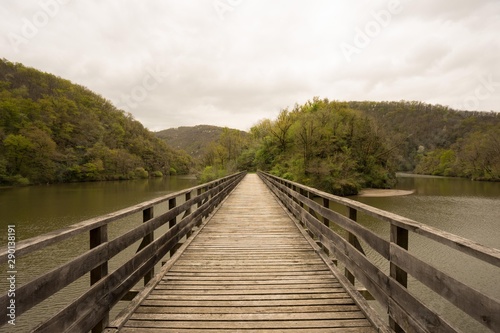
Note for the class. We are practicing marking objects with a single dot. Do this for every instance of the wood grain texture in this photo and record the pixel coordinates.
(249, 269)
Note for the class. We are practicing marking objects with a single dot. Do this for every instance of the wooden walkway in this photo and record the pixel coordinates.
(249, 269)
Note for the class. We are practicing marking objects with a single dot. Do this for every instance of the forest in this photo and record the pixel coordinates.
(341, 147)
(437, 140)
(52, 130)
(322, 144)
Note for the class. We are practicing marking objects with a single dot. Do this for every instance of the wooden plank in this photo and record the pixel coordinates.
(254, 309)
(189, 286)
(168, 296)
(341, 315)
(281, 330)
(249, 303)
(244, 292)
(244, 325)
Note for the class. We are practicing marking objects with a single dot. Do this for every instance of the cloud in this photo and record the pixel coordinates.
(235, 66)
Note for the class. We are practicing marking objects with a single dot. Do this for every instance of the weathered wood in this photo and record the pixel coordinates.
(484, 253)
(407, 312)
(101, 250)
(360, 325)
(399, 236)
(259, 330)
(481, 307)
(369, 237)
(36, 243)
(147, 215)
(99, 236)
(249, 267)
(383, 289)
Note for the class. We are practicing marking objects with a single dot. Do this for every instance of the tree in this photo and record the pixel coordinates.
(280, 128)
(17, 149)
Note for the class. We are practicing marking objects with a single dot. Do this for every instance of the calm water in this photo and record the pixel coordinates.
(459, 206)
(466, 208)
(39, 209)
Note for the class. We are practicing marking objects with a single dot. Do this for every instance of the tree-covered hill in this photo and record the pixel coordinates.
(434, 139)
(195, 140)
(341, 147)
(52, 130)
(327, 145)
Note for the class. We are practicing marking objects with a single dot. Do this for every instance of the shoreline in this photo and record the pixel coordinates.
(379, 193)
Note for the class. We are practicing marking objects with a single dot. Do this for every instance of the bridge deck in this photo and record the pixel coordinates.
(249, 269)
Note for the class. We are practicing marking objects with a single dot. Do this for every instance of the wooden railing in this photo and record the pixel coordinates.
(90, 311)
(406, 311)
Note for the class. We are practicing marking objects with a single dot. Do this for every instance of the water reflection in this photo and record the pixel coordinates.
(466, 208)
(40, 209)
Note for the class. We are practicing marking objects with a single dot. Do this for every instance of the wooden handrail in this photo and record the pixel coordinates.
(407, 312)
(91, 310)
(36, 243)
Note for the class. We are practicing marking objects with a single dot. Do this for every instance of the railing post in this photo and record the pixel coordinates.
(198, 193)
(301, 191)
(399, 236)
(172, 203)
(99, 236)
(326, 204)
(148, 214)
(188, 211)
(353, 215)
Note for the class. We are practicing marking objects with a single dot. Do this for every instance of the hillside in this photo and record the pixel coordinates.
(434, 139)
(326, 145)
(194, 140)
(52, 130)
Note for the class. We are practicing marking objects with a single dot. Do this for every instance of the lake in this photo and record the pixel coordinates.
(463, 207)
(36, 210)
(466, 208)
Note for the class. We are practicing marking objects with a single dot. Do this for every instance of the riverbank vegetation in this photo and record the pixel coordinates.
(323, 144)
(326, 145)
(341, 147)
(437, 140)
(54, 131)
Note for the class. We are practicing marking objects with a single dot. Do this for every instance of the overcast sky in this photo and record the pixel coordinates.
(234, 62)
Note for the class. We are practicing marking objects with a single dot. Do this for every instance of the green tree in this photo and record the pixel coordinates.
(17, 149)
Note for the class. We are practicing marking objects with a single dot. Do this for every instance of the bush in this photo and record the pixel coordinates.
(157, 174)
(19, 180)
(211, 173)
(140, 173)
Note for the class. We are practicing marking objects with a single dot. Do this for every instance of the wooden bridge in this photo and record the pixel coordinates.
(253, 254)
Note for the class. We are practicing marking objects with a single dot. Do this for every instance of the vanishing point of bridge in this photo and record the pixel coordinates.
(252, 254)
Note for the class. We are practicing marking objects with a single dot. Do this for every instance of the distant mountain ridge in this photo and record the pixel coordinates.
(194, 140)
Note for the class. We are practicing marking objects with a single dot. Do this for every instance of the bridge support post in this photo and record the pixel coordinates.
(353, 215)
(188, 197)
(326, 204)
(399, 236)
(171, 205)
(99, 236)
(148, 214)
